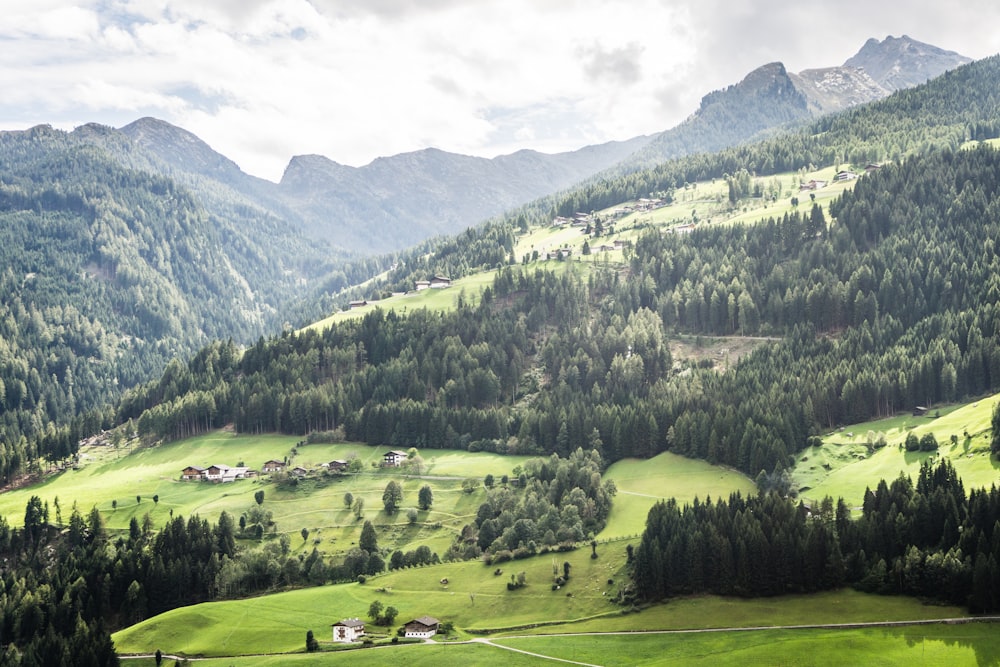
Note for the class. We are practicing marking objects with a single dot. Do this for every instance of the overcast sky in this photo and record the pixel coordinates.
(263, 80)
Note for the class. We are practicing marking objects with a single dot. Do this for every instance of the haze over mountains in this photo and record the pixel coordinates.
(398, 201)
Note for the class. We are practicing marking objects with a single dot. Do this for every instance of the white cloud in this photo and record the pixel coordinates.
(262, 80)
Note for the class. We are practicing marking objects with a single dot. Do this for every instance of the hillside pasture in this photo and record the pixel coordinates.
(643, 482)
(106, 475)
(844, 466)
(474, 597)
(315, 503)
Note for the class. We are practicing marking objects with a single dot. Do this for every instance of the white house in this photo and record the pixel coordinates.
(348, 630)
(423, 627)
(394, 458)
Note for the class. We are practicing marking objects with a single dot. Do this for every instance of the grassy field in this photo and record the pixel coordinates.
(934, 645)
(844, 465)
(641, 483)
(248, 627)
(474, 597)
(937, 644)
(107, 477)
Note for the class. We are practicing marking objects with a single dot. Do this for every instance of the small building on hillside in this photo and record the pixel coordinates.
(440, 282)
(193, 472)
(357, 304)
(215, 472)
(299, 471)
(337, 465)
(422, 628)
(920, 411)
(422, 285)
(348, 630)
(273, 466)
(394, 459)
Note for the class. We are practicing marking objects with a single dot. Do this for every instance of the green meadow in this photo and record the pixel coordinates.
(844, 466)
(641, 483)
(278, 623)
(934, 644)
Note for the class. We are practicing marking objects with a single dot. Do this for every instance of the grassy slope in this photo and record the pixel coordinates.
(951, 645)
(843, 466)
(641, 483)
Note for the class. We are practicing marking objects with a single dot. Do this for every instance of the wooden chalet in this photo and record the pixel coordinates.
(273, 465)
(422, 628)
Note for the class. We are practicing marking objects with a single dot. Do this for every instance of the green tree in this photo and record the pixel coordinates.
(311, 644)
(995, 442)
(389, 617)
(358, 507)
(375, 610)
(348, 499)
(392, 496)
(368, 540)
(305, 534)
(259, 497)
(425, 497)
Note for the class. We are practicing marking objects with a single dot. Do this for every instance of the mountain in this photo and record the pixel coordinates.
(396, 202)
(897, 63)
(771, 97)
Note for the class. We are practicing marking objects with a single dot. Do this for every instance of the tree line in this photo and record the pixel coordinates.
(928, 539)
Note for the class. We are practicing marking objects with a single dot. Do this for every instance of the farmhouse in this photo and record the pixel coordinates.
(440, 282)
(394, 458)
(357, 304)
(273, 466)
(423, 627)
(299, 471)
(217, 473)
(422, 285)
(337, 465)
(348, 630)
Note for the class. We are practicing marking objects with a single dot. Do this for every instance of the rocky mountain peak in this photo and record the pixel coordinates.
(901, 62)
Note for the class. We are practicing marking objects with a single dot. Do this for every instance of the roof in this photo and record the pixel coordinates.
(396, 452)
(426, 620)
(350, 623)
(198, 468)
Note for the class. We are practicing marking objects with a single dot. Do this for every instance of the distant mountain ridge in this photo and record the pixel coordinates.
(399, 201)
(770, 97)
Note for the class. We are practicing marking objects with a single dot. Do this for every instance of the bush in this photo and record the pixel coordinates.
(362, 578)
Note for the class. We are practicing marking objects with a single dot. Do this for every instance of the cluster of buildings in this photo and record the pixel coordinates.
(352, 629)
(217, 473)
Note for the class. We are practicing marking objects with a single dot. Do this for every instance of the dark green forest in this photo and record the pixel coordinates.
(109, 272)
(928, 539)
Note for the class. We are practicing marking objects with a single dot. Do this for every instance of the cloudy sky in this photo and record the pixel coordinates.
(263, 80)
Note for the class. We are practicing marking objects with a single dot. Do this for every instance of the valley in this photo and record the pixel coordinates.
(743, 398)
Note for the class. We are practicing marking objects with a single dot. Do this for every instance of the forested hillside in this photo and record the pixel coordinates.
(892, 304)
(111, 270)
